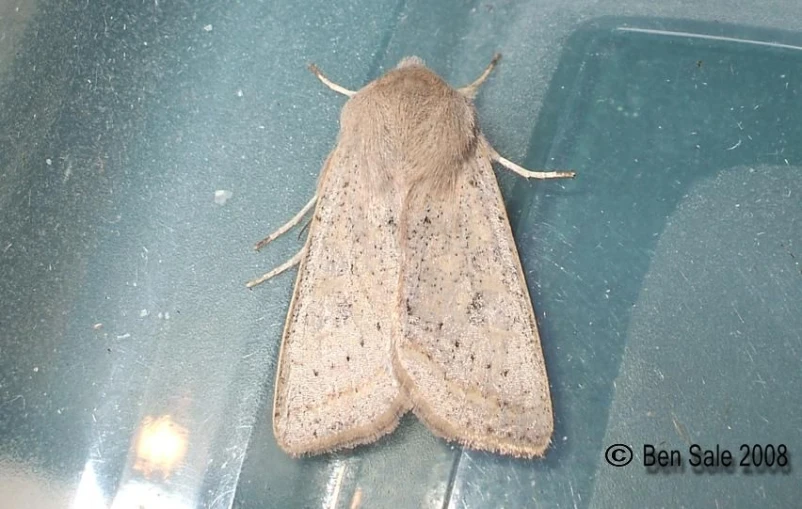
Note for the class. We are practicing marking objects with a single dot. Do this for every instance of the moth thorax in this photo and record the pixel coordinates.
(419, 127)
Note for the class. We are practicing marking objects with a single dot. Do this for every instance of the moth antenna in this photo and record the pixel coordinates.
(337, 88)
(471, 90)
(286, 226)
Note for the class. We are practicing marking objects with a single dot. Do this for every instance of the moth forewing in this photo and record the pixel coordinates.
(335, 387)
(469, 352)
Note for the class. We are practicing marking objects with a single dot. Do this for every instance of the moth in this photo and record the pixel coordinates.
(410, 294)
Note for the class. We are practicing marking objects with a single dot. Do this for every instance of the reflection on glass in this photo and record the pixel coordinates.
(160, 446)
(144, 494)
(159, 450)
(88, 495)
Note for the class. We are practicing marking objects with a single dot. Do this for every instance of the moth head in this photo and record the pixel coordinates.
(411, 62)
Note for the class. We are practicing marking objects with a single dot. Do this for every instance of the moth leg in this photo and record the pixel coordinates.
(329, 83)
(304, 229)
(520, 170)
(471, 90)
(292, 262)
(287, 226)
